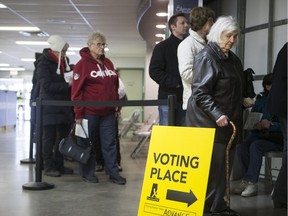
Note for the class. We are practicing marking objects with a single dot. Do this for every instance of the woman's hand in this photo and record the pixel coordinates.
(222, 121)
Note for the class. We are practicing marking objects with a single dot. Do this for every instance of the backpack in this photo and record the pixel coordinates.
(248, 90)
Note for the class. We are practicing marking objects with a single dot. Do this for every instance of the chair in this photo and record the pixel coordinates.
(268, 165)
(144, 134)
(129, 123)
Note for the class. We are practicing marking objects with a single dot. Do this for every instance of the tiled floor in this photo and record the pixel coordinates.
(71, 196)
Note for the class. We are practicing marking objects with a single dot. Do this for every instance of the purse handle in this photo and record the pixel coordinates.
(84, 133)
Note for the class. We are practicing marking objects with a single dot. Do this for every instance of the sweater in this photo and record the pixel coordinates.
(93, 81)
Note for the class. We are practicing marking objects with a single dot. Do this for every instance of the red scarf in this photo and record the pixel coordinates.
(55, 58)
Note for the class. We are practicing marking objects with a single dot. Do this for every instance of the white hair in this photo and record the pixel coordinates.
(222, 24)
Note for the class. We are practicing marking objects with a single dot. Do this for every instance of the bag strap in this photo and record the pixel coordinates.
(86, 134)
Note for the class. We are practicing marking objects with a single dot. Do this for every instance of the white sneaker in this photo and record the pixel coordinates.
(241, 187)
(251, 190)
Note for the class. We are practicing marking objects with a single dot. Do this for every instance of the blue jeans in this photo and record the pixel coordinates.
(180, 115)
(251, 152)
(105, 126)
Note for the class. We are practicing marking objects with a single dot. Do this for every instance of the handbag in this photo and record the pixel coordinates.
(68, 146)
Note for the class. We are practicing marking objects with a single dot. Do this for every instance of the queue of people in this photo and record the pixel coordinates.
(203, 73)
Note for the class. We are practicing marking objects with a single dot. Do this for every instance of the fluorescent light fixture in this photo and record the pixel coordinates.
(4, 65)
(32, 43)
(2, 6)
(162, 14)
(161, 26)
(19, 28)
(160, 35)
(12, 69)
(28, 59)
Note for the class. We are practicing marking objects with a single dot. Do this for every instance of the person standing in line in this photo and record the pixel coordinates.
(57, 120)
(163, 68)
(216, 100)
(277, 105)
(201, 20)
(95, 79)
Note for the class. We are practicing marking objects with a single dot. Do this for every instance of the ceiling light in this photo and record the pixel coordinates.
(162, 14)
(24, 33)
(56, 21)
(32, 42)
(19, 28)
(106, 49)
(28, 59)
(160, 35)
(4, 65)
(161, 26)
(2, 6)
(12, 69)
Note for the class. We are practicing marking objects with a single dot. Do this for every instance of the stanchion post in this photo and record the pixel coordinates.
(31, 160)
(38, 184)
(172, 100)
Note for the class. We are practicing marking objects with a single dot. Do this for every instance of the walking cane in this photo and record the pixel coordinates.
(229, 211)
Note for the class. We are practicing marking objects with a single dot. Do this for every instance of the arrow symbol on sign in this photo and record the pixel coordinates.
(180, 196)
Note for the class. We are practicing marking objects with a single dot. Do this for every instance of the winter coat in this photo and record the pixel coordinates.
(53, 87)
(187, 50)
(277, 101)
(93, 81)
(163, 68)
(217, 91)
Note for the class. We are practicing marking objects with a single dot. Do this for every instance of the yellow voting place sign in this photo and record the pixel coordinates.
(176, 173)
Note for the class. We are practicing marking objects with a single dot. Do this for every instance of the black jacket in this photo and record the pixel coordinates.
(217, 91)
(163, 68)
(277, 99)
(53, 87)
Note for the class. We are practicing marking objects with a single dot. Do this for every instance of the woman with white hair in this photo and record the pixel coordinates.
(217, 99)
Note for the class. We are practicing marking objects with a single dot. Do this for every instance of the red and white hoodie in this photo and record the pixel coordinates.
(93, 81)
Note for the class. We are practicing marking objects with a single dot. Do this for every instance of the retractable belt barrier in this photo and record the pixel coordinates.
(38, 184)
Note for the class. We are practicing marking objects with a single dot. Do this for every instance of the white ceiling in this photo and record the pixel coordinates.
(74, 20)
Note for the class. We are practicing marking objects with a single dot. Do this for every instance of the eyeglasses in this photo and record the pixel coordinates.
(100, 45)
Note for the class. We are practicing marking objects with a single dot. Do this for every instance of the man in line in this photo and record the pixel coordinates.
(164, 71)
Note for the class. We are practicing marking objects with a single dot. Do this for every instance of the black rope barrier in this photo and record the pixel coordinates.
(38, 184)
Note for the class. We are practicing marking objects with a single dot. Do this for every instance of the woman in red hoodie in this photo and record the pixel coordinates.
(95, 79)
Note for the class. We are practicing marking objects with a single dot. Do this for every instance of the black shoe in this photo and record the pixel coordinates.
(52, 172)
(92, 179)
(120, 168)
(117, 180)
(66, 170)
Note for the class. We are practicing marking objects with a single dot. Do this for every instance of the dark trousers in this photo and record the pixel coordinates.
(52, 135)
(251, 152)
(280, 190)
(104, 126)
(97, 144)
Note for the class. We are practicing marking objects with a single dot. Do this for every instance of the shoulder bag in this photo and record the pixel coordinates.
(68, 146)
